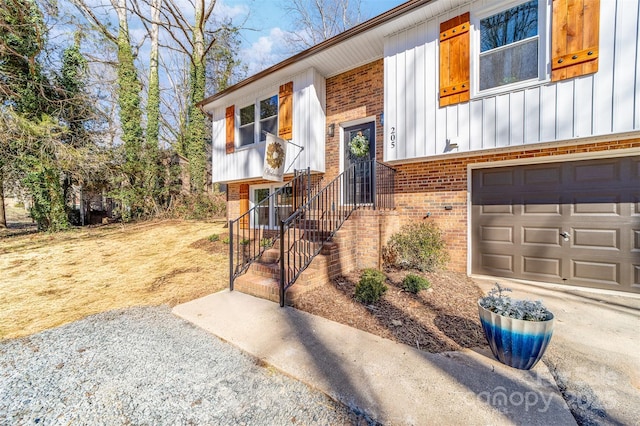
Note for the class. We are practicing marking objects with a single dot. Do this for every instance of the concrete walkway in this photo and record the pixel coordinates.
(390, 382)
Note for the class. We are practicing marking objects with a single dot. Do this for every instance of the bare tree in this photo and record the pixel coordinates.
(319, 20)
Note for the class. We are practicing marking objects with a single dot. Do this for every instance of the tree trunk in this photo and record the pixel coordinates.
(3, 216)
(151, 170)
(196, 130)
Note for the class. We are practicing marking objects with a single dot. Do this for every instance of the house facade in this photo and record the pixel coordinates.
(513, 125)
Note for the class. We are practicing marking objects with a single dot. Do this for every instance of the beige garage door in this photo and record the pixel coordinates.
(575, 223)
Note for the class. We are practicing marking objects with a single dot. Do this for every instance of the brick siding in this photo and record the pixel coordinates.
(355, 94)
(429, 186)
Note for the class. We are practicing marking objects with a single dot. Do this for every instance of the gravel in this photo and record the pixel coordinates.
(146, 366)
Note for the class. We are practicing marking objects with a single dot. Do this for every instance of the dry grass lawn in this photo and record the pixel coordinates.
(51, 279)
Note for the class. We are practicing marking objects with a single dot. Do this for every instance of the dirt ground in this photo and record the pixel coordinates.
(50, 279)
(442, 318)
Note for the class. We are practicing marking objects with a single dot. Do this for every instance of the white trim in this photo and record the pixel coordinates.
(525, 147)
(578, 156)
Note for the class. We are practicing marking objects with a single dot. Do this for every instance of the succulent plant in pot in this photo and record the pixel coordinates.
(518, 331)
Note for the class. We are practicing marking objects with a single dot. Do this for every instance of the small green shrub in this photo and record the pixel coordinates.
(371, 286)
(415, 283)
(225, 240)
(266, 242)
(244, 241)
(417, 246)
(213, 238)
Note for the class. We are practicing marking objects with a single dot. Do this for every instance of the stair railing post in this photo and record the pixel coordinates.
(355, 186)
(374, 172)
(230, 255)
(308, 183)
(282, 263)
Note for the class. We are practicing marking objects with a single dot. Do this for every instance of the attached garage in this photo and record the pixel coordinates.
(575, 223)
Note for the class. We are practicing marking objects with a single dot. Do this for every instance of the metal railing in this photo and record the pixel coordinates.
(302, 235)
(250, 235)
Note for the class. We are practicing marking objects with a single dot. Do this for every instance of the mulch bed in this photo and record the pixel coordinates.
(442, 318)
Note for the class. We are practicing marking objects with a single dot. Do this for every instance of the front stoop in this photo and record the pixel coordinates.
(263, 277)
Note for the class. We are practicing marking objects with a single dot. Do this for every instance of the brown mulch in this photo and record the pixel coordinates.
(442, 318)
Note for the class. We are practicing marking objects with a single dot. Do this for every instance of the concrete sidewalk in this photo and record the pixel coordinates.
(392, 383)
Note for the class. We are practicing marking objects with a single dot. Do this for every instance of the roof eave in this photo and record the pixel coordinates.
(326, 44)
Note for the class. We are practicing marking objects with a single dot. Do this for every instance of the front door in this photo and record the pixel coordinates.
(359, 150)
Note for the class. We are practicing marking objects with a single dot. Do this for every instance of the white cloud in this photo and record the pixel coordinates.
(266, 51)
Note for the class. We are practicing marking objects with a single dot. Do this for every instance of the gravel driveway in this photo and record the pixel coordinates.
(146, 366)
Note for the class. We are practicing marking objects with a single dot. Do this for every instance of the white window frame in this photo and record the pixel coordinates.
(272, 187)
(257, 121)
(544, 38)
(239, 129)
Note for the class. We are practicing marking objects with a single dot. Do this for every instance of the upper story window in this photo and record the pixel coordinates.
(510, 46)
(265, 114)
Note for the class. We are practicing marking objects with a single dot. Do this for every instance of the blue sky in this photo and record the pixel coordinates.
(262, 46)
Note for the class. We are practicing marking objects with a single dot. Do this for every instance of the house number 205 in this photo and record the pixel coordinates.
(392, 136)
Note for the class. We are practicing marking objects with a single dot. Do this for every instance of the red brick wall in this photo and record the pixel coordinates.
(429, 186)
(355, 94)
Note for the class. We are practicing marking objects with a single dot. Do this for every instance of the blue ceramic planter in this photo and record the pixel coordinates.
(516, 343)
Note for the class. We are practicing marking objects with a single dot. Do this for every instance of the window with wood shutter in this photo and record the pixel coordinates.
(230, 129)
(575, 38)
(285, 113)
(244, 205)
(454, 60)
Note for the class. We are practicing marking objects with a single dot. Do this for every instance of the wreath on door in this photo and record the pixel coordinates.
(359, 145)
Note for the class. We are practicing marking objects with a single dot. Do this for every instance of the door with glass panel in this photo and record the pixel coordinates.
(269, 211)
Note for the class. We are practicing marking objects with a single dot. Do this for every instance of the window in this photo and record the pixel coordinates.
(268, 117)
(510, 46)
(247, 127)
(265, 113)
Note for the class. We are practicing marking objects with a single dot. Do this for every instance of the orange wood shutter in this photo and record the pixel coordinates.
(244, 205)
(574, 37)
(285, 111)
(230, 129)
(454, 60)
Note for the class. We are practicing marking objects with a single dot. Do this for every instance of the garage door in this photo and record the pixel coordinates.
(575, 223)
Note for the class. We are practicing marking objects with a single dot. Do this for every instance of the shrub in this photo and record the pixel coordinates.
(225, 240)
(201, 206)
(213, 238)
(266, 242)
(244, 241)
(417, 246)
(415, 283)
(371, 286)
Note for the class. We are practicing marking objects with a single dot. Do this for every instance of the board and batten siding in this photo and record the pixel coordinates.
(244, 163)
(600, 104)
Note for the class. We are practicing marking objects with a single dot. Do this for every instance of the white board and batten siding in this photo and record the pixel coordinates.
(309, 99)
(600, 104)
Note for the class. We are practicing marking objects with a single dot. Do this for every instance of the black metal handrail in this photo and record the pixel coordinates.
(303, 234)
(247, 240)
